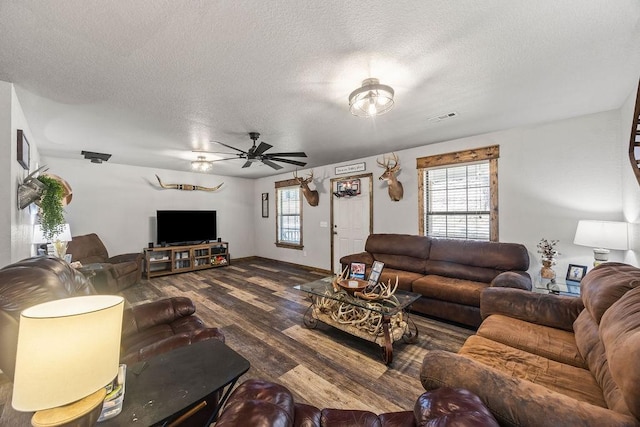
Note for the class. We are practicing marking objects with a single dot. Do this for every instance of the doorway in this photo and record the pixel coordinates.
(351, 218)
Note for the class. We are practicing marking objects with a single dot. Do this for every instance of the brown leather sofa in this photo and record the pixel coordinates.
(262, 403)
(540, 359)
(147, 329)
(116, 273)
(450, 274)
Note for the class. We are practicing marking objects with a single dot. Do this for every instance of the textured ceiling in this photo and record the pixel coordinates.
(150, 81)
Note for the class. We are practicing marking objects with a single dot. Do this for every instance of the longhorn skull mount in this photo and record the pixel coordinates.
(187, 187)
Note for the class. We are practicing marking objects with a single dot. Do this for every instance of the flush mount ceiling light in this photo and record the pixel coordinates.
(201, 164)
(372, 99)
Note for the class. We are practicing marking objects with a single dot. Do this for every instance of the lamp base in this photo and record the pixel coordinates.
(81, 413)
(600, 255)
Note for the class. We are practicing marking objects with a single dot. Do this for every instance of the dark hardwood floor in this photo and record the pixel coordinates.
(253, 302)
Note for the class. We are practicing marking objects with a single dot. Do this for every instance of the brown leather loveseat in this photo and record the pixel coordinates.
(450, 274)
(540, 359)
(147, 329)
(262, 403)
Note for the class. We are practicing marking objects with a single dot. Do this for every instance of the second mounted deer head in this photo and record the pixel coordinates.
(390, 170)
(312, 196)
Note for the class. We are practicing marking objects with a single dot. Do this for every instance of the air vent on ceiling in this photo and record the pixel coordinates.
(442, 117)
(96, 157)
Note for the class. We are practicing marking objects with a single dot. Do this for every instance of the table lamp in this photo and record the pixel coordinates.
(602, 236)
(68, 351)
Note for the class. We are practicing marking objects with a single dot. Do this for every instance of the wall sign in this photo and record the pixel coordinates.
(356, 167)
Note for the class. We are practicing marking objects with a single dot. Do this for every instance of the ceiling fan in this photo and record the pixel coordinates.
(258, 154)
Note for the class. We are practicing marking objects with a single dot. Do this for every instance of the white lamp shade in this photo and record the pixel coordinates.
(602, 234)
(67, 350)
(63, 236)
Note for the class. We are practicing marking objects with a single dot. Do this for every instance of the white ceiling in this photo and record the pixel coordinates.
(149, 81)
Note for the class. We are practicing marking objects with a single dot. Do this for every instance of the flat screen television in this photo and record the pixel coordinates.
(185, 227)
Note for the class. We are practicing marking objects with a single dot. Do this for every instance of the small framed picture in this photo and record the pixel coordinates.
(265, 205)
(575, 273)
(357, 270)
(23, 150)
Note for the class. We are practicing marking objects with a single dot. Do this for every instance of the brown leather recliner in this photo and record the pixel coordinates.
(148, 329)
(117, 273)
(262, 403)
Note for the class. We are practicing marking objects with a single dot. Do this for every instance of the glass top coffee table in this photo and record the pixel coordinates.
(382, 321)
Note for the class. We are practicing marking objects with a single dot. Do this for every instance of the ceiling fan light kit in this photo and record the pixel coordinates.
(201, 164)
(371, 99)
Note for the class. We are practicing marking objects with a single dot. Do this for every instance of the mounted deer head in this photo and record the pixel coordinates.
(395, 187)
(312, 196)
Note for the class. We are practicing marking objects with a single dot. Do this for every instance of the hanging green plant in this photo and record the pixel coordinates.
(51, 208)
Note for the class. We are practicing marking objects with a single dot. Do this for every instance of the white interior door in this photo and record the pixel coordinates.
(351, 222)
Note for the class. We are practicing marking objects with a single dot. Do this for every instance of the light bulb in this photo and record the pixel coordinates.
(372, 110)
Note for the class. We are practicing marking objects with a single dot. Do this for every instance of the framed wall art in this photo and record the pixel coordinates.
(23, 150)
(265, 205)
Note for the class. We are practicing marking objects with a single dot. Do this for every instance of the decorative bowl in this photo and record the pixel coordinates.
(352, 285)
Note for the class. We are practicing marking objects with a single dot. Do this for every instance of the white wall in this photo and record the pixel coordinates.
(550, 176)
(630, 185)
(119, 203)
(15, 224)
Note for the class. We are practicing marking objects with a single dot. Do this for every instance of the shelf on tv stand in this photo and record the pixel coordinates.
(163, 260)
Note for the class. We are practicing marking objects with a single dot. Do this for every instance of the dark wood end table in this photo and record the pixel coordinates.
(158, 390)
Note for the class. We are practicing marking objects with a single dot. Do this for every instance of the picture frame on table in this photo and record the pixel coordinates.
(575, 273)
(357, 270)
(265, 205)
(24, 150)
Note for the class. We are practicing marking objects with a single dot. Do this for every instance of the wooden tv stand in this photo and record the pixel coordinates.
(163, 260)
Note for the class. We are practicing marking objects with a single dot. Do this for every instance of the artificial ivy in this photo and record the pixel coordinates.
(51, 209)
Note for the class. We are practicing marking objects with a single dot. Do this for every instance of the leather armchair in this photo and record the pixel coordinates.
(117, 272)
(148, 329)
(262, 403)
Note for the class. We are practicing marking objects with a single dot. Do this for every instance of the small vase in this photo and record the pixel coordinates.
(546, 272)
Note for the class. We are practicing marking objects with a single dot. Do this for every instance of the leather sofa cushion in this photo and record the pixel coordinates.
(592, 349)
(400, 251)
(552, 343)
(620, 333)
(491, 255)
(461, 271)
(606, 284)
(405, 278)
(562, 378)
(459, 291)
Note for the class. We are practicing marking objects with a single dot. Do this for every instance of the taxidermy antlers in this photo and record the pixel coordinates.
(188, 187)
(312, 196)
(389, 175)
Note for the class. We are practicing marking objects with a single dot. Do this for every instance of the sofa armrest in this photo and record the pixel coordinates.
(136, 257)
(163, 311)
(513, 279)
(555, 311)
(364, 257)
(513, 401)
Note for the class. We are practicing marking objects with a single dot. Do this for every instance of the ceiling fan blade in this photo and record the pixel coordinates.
(291, 162)
(296, 154)
(228, 146)
(270, 163)
(247, 164)
(213, 152)
(220, 160)
(262, 148)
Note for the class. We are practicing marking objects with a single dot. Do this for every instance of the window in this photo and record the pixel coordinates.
(458, 195)
(288, 214)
